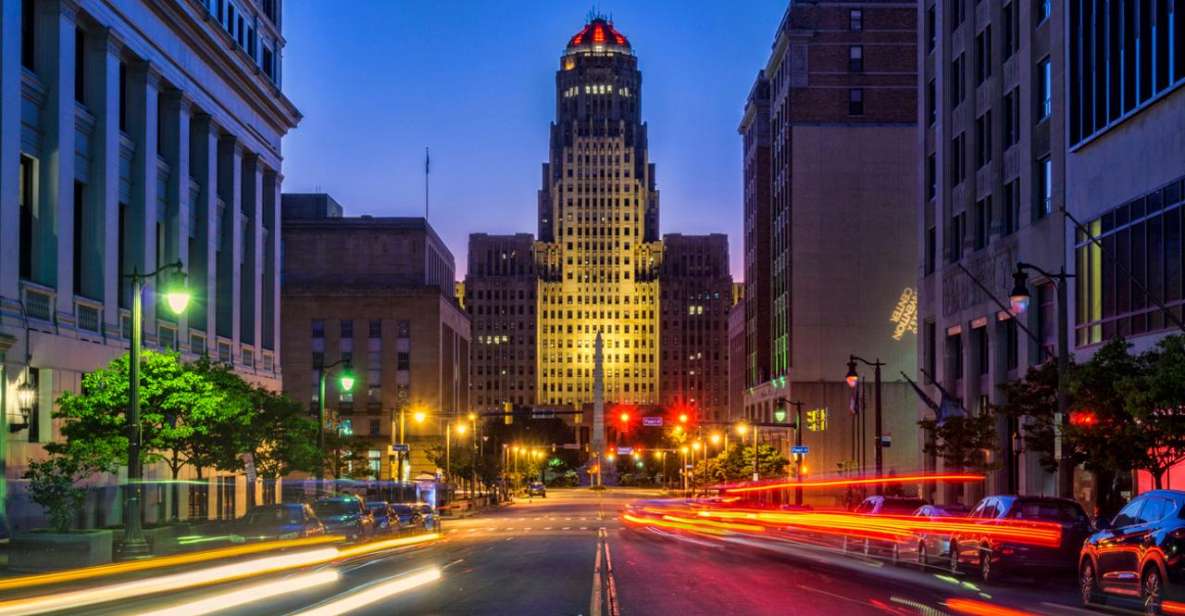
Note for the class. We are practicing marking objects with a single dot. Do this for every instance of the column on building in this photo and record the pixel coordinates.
(203, 262)
(175, 124)
(269, 321)
(143, 215)
(230, 167)
(55, 212)
(250, 275)
(104, 55)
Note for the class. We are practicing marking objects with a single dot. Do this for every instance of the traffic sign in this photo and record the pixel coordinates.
(400, 447)
(625, 451)
(570, 446)
(652, 422)
(542, 413)
(800, 449)
(887, 441)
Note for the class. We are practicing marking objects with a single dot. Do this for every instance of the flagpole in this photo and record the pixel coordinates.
(427, 170)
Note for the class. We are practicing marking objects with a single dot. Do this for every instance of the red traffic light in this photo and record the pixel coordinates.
(624, 417)
(1084, 419)
(682, 418)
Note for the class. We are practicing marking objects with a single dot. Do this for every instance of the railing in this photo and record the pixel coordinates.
(38, 300)
(89, 314)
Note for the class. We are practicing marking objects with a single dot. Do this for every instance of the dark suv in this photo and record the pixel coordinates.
(1138, 553)
(994, 557)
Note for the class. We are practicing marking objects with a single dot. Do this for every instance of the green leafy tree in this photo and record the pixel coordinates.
(1031, 401)
(346, 456)
(282, 438)
(963, 443)
(52, 484)
(736, 464)
(1155, 396)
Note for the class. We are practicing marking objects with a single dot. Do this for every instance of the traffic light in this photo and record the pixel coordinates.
(1084, 419)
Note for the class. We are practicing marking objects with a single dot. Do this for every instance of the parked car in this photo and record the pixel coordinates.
(926, 548)
(1137, 554)
(281, 521)
(993, 557)
(384, 518)
(428, 517)
(537, 489)
(880, 505)
(345, 514)
(407, 517)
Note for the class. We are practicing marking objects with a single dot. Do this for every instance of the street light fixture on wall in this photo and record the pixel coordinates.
(26, 398)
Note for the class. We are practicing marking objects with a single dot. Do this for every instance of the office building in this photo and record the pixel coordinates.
(500, 299)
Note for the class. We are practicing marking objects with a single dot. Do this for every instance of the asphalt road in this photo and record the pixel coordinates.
(570, 554)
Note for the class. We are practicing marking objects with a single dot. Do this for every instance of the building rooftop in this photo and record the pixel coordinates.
(597, 35)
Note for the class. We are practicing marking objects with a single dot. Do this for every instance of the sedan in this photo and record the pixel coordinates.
(384, 518)
(281, 521)
(1137, 555)
(346, 515)
(925, 548)
(407, 517)
(994, 557)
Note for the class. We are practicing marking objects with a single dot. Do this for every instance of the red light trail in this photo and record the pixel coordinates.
(862, 481)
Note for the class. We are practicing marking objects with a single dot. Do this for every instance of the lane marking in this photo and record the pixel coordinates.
(614, 608)
(594, 604)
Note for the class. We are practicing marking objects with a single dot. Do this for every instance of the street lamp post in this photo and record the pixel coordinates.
(346, 381)
(853, 379)
(1020, 299)
(797, 443)
(177, 298)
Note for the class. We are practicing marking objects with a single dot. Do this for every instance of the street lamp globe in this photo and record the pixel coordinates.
(419, 416)
(1019, 297)
(462, 427)
(715, 438)
(176, 294)
(742, 429)
(853, 378)
(346, 380)
(695, 446)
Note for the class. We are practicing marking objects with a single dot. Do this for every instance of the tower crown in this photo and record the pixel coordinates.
(598, 35)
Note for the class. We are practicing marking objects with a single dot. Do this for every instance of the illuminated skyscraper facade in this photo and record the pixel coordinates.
(598, 254)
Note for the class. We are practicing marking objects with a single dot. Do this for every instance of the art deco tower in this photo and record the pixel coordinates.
(598, 253)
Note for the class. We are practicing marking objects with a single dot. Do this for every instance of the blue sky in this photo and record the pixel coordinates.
(379, 80)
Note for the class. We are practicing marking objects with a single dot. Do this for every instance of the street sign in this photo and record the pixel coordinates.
(800, 449)
(542, 413)
(887, 441)
(625, 451)
(400, 447)
(652, 422)
(571, 446)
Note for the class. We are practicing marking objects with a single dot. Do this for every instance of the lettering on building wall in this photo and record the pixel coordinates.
(905, 314)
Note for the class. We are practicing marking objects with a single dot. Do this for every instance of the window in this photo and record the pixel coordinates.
(1046, 318)
(930, 334)
(34, 378)
(931, 177)
(958, 165)
(983, 222)
(123, 96)
(856, 101)
(931, 35)
(958, 13)
(1011, 345)
(1010, 128)
(958, 72)
(931, 103)
(983, 55)
(954, 355)
(1144, 239)
(1011, 207)
(982, 350)
(856, 20)
(856, 59)
(1045, 187)
(28, 34)
(1011, 29)
(267, 62)
(403, 360)
(347, 329)
(931, 249)
(1044, 10)
(1044, 89)
(25, 193)
(79, 235)
(375, 328)
(983, 140)
(958, 226)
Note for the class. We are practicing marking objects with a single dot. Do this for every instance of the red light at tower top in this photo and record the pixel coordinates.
(624, 417)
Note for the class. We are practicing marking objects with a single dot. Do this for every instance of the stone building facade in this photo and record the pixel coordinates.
(378, 293)
(833, 115)
(135, 134)
(696, 301)
(500, 299)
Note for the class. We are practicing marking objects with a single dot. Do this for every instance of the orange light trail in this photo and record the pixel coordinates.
(982, 608)
(843, 483)
(1172, 607)
(86, 573)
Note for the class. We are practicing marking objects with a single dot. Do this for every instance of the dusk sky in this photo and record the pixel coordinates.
(377, 81)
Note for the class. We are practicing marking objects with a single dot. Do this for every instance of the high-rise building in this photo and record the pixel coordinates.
(758, 258)
(696, 300)
(831, 222)
(376, 293)
(599, 253)
(991, 147)
(1125, 172)
(736, 361)
(133, 135)
(500, 298)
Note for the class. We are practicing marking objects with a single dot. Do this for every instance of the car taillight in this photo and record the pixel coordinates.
(1006, 551)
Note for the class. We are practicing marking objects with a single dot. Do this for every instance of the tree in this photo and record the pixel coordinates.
(963, 442)
(736, 464)
(52, 485)
(347, 456)
(281, 437)
(1031, 402)
(1155, 395)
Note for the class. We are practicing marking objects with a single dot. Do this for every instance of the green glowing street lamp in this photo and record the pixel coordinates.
(345, 381)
